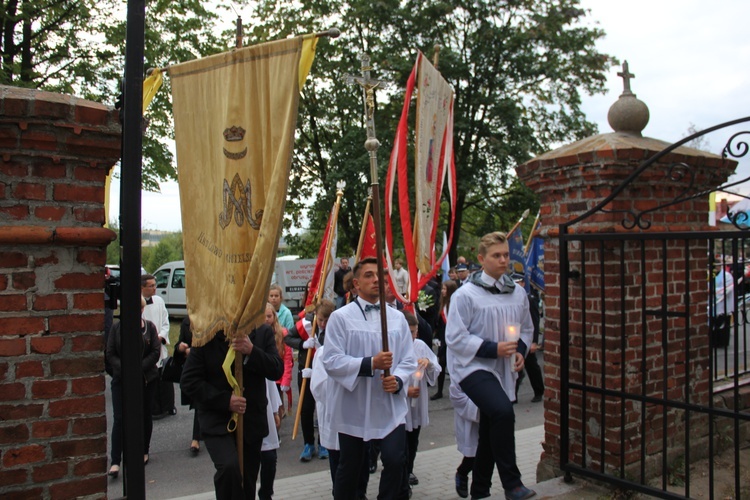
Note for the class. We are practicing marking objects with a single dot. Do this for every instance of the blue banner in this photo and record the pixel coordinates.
(517, 257)
(535, 264)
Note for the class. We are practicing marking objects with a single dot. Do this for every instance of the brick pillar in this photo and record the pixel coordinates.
(55, 152)
(570, 181)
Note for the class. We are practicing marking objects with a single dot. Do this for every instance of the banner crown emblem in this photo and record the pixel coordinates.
(234, 133)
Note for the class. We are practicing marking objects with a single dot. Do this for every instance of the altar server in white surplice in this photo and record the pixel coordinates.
(488, 333)
(320, 387)
(364, 404)
(466, 423)
(417, 417)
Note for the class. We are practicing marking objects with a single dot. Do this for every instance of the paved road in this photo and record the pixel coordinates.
(173, 471)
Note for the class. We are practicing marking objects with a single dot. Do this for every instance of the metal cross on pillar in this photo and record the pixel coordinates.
(626, 76)
(372, 144)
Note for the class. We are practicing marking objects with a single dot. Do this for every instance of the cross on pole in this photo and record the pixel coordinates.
(372, 144)
(368, 85)
(626, 76)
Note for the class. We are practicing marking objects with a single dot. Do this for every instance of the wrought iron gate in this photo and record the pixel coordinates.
(653, 342)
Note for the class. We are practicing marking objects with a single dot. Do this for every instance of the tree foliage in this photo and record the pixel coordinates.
(168, 249)
(518, 68)
(78, 47)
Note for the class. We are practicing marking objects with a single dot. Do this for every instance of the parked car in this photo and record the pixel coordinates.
(170, 286)
(114, 271)
(291, 274)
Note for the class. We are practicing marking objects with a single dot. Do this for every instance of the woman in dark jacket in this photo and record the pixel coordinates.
(151, 352)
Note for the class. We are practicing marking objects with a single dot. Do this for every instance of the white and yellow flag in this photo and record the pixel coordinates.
(235, 115)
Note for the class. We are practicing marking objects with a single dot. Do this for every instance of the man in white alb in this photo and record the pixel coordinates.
(364, 404)
(488, 333)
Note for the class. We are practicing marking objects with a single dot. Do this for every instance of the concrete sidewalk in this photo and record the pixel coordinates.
(436, 470)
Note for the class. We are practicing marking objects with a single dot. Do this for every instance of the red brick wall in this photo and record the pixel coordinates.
(569, 185)
(55, 152)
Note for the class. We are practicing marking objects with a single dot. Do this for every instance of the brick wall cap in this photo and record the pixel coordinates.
(42, 95)
(616, 141)
(97, 109)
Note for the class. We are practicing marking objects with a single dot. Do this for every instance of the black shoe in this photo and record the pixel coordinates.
(413, 481)
(477, 496)
(437, 395)
(462, 485)
(519, 493)
(538, 399)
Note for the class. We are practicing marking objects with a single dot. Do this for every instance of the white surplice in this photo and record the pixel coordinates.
(359, 406)
(156, 312)
(465, 420)
(476, 315)
(417, 415)
(271, 441)
(320, 386)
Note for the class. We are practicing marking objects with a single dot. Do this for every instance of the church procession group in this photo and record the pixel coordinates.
(366, 352)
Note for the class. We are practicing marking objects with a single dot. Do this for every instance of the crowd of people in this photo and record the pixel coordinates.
(367, 390)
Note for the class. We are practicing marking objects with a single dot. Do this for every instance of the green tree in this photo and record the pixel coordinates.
(518, 68)
(113, 249)
(78, 47)
(160, 254)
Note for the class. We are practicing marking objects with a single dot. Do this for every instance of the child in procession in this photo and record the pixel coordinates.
(268, 456)
(417, 416)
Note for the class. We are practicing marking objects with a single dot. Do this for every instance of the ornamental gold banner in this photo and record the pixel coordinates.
(235, 116)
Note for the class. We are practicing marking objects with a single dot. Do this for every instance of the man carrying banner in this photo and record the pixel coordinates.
(205, 380)
(234, 120)
(365, 404)
(488, 332)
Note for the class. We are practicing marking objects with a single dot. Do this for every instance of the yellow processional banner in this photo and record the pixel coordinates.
(235, 116)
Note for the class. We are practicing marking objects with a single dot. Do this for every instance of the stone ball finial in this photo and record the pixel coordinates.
(628, 114)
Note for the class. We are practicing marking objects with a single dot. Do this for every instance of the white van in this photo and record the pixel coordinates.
(291, 273)
(170, 286)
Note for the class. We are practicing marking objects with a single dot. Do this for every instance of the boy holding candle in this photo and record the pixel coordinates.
(417, 417)
(485, 360)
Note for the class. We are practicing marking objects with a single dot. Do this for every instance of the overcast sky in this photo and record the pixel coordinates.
(691, 60)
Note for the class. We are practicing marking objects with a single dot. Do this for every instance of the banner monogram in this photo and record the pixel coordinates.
(240, 207)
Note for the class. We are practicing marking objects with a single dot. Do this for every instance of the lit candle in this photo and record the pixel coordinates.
(513, 332)
(415, 383)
